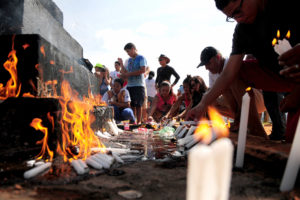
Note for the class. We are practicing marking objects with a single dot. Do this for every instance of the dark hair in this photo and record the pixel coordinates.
(198, 79)
(221, 4)
(118, 63)
(166, 83)
(187, 80)
(119, 80)
(151, 75)
(129, 46)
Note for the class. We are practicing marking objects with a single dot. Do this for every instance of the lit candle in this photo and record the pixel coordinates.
(242, 131)
(201, 175)
(292, 167)
(223, 153)
(281, 46)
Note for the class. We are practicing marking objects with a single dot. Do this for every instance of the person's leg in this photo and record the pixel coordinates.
(265, 79)
(272, 102)
(127, 114)
(117, 116)
(139, 114)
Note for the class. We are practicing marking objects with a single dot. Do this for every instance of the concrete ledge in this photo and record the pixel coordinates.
(32, 17)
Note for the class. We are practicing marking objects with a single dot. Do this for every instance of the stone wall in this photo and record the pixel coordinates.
(41, 17)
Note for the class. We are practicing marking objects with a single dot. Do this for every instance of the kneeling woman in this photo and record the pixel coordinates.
(162, 102)
(119, 98)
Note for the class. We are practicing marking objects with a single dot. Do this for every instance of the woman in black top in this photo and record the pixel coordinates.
(165, 71)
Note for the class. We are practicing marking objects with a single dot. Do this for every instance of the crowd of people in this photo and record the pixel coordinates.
(253, 62)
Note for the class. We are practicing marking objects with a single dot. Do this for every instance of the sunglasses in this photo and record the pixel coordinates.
(161, 59)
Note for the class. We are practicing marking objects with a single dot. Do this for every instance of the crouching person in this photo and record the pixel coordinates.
(162, 102)
(119, 98)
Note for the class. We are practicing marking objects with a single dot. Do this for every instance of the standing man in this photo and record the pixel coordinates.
(257, 25)
(165, 72)
(134, 72)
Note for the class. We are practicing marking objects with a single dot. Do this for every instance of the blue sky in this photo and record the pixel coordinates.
(179, 29)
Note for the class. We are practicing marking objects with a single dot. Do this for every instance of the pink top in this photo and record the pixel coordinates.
(186, 100)
(163, 106)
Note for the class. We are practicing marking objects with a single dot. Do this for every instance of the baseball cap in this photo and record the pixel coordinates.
(206, 54)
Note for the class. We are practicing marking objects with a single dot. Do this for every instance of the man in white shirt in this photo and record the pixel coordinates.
(229, 103)
(119, 98)
(115, 74)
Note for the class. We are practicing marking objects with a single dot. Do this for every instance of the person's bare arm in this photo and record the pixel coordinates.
(228, 75)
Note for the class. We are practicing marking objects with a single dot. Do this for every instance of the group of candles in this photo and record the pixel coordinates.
(209, 167)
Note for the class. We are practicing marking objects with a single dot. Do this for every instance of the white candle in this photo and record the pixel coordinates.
(191, 131)
(80, 167)
(93, 163)
(117, 157)
(182, 132)
(223, 153)
(201, 175)
(242, 131)
(178, 129)
(37, 170)
(185, 140)
(282, 46)
(292, 167)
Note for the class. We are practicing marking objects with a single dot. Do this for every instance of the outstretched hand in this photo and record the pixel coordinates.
(196, 113)
(291, 60)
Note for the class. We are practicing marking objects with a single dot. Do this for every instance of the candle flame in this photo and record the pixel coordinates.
(274, 41)
(205, 131)
(278, 34)
(248, 89)
(288, 34)
(228, 124)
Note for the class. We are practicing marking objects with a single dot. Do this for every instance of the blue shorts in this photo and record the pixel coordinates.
(137, 96)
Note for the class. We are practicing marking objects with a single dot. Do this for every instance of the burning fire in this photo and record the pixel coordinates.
(37, 125)
(75, 122)
(13, 87)
(206, 132)
(76, 115)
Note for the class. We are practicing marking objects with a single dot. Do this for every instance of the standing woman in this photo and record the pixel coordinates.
(162, 102)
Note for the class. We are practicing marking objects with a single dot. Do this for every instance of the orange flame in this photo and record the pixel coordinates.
(75, 122)
(274, 41)
(27, 95)
(204, 131)
(25, 46)
(248, 89)
(288, 34)
(37, 125)
(278, 34)
(13, 87)
(52, 62)
(43, 50)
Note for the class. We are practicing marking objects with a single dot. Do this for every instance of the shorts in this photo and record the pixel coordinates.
(137, 96)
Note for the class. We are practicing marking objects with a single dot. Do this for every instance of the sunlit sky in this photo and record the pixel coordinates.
(179, 29)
